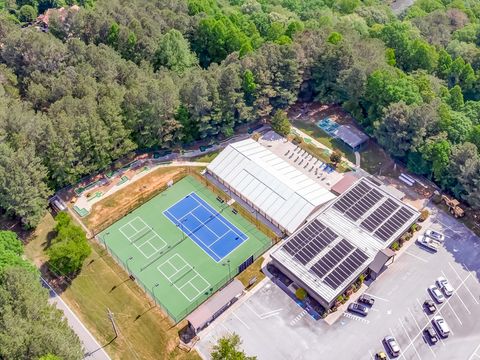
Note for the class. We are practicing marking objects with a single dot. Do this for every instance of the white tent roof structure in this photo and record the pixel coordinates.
(272, 185)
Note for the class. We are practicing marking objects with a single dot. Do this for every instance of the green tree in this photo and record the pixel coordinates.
(23, 191)
(69, 247)
(336, 157)
(31, 327)
(280, 123)
(27, 13)
(456, 98)
(227, 348)
(174, 52)
(49, 357)
(11, 251)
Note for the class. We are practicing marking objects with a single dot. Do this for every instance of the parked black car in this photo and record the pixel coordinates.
(431, 335)
(430, 306)
(366, 299)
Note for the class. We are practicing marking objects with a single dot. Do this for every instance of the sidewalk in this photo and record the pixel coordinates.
(93, 350)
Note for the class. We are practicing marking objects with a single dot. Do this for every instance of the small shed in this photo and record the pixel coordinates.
(215, 306)
(351, 136)
(380, 261)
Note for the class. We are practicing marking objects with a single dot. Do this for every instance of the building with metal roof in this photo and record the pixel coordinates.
(330, 252)
(277, 190)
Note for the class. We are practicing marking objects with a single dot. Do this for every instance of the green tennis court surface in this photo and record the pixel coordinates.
(177, 271)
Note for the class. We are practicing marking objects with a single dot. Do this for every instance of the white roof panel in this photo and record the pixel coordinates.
(274, 186)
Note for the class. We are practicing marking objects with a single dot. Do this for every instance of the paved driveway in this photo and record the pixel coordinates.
(272, 326)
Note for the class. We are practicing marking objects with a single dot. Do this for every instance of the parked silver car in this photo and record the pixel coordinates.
(436, 293)
(446, 287)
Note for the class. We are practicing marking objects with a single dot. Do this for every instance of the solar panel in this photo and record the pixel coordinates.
(317, 244)
(300, 239)
(395, 222)
(331, 258)
(351, 197)
(364, 204)
(358, 200)
(379, 215)
(343, 271)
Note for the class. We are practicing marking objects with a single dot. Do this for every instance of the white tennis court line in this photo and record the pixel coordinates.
(216, 257)
(177, 270)
(189, 282)
(145, 242)
(220, 218)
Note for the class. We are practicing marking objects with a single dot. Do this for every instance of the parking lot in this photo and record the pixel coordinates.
(273, 326)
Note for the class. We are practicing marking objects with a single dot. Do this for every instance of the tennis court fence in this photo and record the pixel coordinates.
(239, 208)
(213, 289)
(125, 209)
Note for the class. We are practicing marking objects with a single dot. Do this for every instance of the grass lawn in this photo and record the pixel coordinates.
(207, 157)
(145, 332)
(322, 137)
(186, 269)
(254, 270)
(374, 158)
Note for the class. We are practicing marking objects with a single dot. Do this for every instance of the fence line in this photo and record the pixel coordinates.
(138, 201)
(223, 281)
(177, 318)
(238, 207)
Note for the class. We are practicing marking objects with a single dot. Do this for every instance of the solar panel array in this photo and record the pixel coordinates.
(395, 222)
(343, 259)
(310, 241)
(346, 268)
(379, 215)
(331, 258)
(357, 201)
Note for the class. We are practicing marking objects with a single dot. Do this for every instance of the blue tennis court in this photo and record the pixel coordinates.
(205, 226)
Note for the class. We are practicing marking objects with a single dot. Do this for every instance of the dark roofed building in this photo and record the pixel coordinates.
(351, 136)
(329, 253)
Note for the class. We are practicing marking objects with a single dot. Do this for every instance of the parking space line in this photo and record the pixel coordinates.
(474, 353)
(409, 338)
(416, 322)
(441, 307)
(441, 314)
(401, 351)
(420, 329)
(354, 317)
(377, 297)
(243, 322)
(416, 256)
(428, 322)
(371, 355)
(473, 296)
(466, 287)
(454, 312)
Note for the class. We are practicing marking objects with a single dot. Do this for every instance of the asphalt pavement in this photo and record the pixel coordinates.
(272, 326)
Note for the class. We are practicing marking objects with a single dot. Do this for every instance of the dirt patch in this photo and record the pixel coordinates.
(121, 202)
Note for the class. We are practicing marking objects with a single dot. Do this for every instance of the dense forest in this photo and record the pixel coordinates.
(112, 76)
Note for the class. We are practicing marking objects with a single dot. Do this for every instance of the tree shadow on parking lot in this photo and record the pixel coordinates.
(460, 242)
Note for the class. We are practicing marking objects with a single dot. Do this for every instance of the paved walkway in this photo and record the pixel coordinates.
(93, 350)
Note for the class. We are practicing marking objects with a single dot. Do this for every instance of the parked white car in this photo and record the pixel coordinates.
(441, 326)
(428, 242)
(446, 287)
(435, 235)
(436, 293)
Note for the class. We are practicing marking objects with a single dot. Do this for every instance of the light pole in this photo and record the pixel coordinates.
(180, 224)
(153, 293)
(227, 263)
(128, 269)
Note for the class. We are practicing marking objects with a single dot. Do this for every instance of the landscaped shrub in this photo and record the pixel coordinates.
(301, 294)
(395, 246)
(424, 214)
